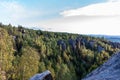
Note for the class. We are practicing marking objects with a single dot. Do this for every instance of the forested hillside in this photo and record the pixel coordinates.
(25, 52)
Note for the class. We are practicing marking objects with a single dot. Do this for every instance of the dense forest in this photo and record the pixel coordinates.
(25, 52)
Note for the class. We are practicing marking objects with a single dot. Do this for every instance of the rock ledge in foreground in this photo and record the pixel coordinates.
(110, 70)
(42, 76)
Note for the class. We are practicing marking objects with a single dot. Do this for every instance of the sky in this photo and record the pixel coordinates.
(73, 16)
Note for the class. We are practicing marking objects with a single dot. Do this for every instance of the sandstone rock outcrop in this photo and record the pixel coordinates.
(2, 74)
(42, 76)
(110, 70)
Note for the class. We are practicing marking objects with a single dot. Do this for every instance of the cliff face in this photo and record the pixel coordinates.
(110, 70)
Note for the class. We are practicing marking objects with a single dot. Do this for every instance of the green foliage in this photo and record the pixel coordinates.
(28, 64)
(6, 52)
(64, 73)
(25, 52)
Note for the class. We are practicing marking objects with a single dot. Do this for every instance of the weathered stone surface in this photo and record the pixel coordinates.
(110, 70)
(42, 76)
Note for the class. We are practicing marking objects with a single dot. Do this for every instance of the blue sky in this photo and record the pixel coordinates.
(52, 8)
(28, 11)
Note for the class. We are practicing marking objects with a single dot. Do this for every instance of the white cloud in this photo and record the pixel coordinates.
(15, 13)
(113, 0)
(100, 18)
(101, 9)
(84, 25)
